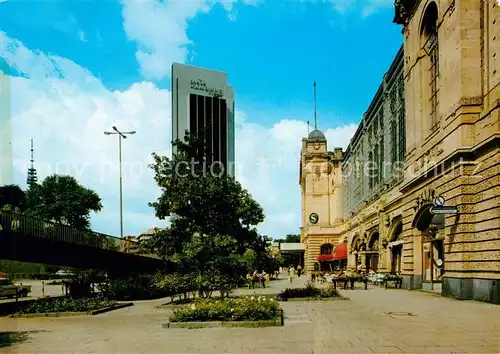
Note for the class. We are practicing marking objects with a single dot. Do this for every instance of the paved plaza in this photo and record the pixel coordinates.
(372, 321)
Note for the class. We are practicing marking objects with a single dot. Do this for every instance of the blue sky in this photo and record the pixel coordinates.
(111, 56)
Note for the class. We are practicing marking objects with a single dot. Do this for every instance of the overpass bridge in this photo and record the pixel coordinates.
(29, 239)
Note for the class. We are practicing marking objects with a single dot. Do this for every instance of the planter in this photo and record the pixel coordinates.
(334, 298)
(63, 314)
(211, 324)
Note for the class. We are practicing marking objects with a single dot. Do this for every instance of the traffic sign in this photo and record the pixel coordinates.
(444, 210)
(439, 201)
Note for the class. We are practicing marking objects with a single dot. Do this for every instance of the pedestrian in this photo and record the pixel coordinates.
(262, 279)
(251, 284)
(291, 273)
(299, 270)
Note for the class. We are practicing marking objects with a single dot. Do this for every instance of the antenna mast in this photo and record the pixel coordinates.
(32, 175)
(32, 157)
(315, 118)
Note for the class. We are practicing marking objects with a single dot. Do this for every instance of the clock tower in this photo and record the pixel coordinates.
(321, 195)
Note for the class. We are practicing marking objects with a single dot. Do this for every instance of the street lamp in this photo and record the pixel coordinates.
(120, 136)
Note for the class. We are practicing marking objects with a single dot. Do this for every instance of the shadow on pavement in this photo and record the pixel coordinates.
(9, 338)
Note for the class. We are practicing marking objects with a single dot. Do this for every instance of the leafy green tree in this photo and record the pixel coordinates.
(62, 199)
(290, 238)
(12, 195)
(213, 219)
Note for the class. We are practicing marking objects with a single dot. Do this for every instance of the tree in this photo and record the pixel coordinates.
(290, 238)
(213, 218)
(12, 195)
(62, 199)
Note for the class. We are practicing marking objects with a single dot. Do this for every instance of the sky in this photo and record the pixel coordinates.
(76, 68)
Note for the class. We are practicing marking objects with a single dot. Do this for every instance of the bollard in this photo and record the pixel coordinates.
(43, 289)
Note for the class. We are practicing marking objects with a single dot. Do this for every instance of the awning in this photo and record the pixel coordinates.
(395, 243)
(340, 251)
(325, 257)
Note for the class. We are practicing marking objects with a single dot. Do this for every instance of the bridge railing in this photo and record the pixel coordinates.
(21, 225)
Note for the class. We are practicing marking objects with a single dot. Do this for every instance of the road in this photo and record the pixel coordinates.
(36, 289)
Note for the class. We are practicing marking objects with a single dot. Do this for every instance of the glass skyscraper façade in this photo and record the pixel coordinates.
(202, 102)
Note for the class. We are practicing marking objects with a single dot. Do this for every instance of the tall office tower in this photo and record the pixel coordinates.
(202, 102)
(6, 160)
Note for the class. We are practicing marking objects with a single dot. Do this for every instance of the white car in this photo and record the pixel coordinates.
(64, 274)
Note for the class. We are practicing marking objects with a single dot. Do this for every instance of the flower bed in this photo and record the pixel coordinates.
(246, 311)
(310, 292)
(67, 306)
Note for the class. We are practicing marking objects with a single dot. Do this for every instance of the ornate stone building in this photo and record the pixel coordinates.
(437, 110)
(321, 189)
(372, 170)
(452, 94)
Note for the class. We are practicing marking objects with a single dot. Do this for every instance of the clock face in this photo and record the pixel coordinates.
(316, 146)
(439, 201)
(313, 218)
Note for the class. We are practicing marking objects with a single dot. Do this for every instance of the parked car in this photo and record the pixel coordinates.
(64, 274)
(10, 290)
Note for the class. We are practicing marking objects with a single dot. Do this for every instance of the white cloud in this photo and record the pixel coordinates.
(82, 37)
(159, 29)
(372, 6)
(367, 7)
(67, 116)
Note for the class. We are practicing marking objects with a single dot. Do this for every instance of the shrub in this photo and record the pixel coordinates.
(176, 285)
(134, 287)
(68, 304)
(309, 291)
(240, 309)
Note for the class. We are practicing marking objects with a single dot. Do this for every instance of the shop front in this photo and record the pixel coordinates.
(335, 260)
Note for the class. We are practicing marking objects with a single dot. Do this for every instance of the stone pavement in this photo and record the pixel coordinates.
(363, 324)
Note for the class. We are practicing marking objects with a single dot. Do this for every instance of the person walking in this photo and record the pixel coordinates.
(299, 270)
(291, 273)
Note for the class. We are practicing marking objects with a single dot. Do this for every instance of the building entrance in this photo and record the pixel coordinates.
(433, 260)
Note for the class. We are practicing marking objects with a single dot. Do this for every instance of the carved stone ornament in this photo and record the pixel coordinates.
(427, 196)
(403, 10)
(317, 173)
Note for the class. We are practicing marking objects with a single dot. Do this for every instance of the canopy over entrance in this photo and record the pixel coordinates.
(292, 247)
(339, 252)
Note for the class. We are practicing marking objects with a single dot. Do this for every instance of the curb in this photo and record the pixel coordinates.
(278, 322)
(67, 314)
(295, 299)
(213, 324)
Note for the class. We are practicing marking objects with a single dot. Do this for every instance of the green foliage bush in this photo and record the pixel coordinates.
(309, 291)
(133, 287)
(68, 304)
(240, 309)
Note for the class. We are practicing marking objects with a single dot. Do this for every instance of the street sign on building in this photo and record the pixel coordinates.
(444, 210)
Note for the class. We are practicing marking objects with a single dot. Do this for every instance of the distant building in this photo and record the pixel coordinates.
(202, 102)
(6, 160)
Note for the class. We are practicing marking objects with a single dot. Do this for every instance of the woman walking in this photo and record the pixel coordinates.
(291, 273)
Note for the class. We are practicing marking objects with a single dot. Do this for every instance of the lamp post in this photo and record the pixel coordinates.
(120, 136)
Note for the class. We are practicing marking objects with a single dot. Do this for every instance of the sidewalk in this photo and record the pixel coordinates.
(275, 287)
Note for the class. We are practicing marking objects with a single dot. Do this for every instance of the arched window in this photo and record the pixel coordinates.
(429, 33)
(326, 248)
(374, 239)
